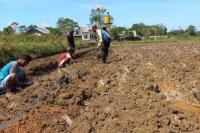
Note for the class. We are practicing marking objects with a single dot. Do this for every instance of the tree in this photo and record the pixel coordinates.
(178, 32)
(159, 29)
(8, 30)
(15, 26)
(97, 16)
(22, 29)
(149, 31)
(65, 24)
(31, 27)
(191, 30)
(139, 28)
(115, 31)
(54, 31)
(198, 33)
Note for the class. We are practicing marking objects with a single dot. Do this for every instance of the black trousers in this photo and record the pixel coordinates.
(105, 50)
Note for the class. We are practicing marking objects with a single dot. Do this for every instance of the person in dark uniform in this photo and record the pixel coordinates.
(71, 43)
(104, 42)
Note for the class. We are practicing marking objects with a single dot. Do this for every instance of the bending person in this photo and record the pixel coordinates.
(12, 74)
(104, 42)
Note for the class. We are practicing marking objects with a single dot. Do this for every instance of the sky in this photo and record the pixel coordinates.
(173, 14)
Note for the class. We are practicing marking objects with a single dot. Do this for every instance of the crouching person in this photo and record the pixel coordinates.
(12, 74)
(65, 58)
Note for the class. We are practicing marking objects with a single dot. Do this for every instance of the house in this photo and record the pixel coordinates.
(37, 31)
(87, 34)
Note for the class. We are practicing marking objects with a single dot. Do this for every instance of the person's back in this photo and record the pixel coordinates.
(63, 58)
(7, 69)
(104, 42)
(11, 75)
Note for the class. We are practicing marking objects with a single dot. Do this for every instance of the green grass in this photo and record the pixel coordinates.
(159, 40)
(12, 47)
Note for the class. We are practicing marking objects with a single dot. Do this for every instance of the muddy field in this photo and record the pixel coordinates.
(144, 89)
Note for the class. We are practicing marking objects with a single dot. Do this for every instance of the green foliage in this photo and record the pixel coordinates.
(13, 46)
(54, 31)
(22, 29)
(65, 24)
(149, 30)
(15, 26)
(198, 33)
(98, 14)
(160, 40)
(31, 27)
(179, 32)
(8, 30)
(191, 30)
(116, 31)
(139, 28)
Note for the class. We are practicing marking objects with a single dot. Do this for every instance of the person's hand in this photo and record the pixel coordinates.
(99, 45)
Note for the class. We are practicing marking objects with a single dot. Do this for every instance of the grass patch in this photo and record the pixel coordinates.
(159, 41)
(12, 47)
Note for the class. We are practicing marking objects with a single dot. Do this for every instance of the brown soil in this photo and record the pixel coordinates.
(143, 89)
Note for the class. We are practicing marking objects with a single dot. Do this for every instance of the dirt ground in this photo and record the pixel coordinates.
(149, 88)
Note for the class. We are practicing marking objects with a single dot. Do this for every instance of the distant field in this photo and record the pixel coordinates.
(161, 40)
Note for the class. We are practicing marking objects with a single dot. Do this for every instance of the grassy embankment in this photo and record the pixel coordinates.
(12, 47)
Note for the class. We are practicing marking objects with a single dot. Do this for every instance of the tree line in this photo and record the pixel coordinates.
(154, 30)
(96, 17)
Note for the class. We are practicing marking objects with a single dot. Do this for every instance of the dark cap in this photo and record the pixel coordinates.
(26, 57)
(94, 27)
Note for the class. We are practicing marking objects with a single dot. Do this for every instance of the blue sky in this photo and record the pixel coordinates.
(172, 13)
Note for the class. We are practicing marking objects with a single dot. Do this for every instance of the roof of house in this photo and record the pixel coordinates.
(85, 29)
(41, 30)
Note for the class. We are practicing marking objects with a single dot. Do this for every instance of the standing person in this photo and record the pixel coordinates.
(71, 43)
(104, 42)
(12, 75)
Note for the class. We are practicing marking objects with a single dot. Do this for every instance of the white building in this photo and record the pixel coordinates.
(38, 31)
(87, 34)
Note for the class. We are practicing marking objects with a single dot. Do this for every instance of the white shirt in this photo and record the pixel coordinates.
(100, 36)
(99, 32)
